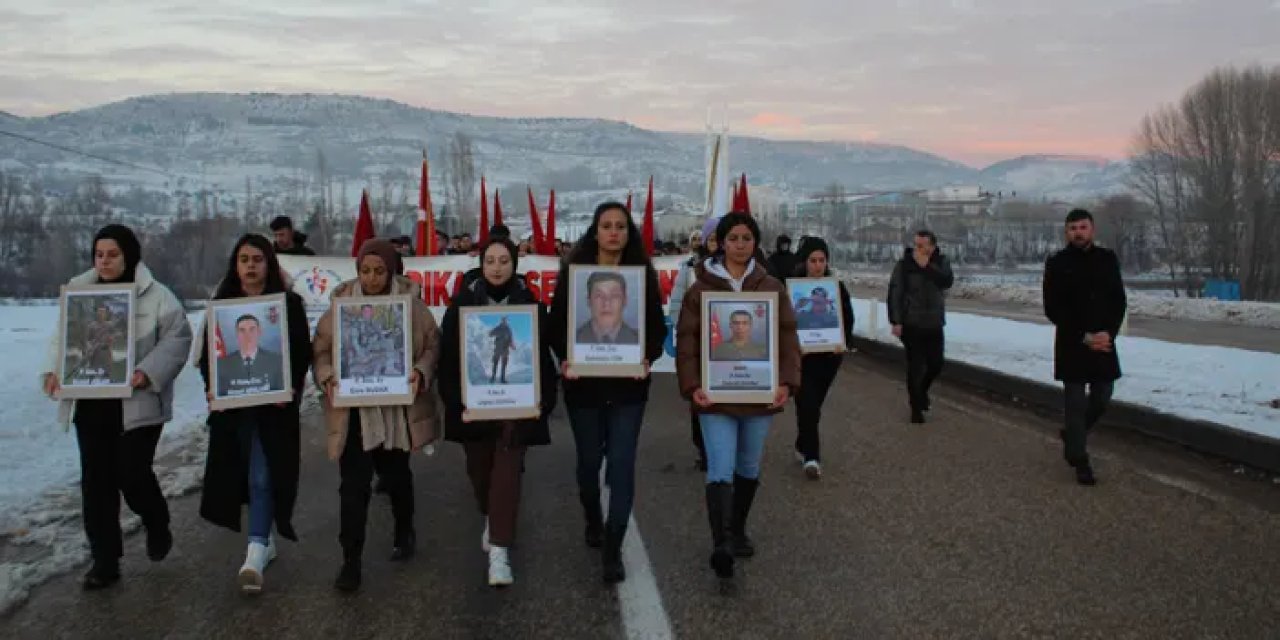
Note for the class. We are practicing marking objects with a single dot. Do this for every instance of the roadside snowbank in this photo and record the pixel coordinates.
(1251, 314)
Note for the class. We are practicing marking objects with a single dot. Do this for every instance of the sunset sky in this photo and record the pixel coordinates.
(972, 80)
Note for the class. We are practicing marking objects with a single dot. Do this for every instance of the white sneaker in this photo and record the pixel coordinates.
(813, 469)
(255, 562)
(484, 539)
(499, 568)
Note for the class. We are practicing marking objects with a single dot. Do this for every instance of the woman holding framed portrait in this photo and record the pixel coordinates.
(494, 448)
(118, 437)
(376, 437)
(818, 368)
(254, 450)
(734, 432)
(606, 412)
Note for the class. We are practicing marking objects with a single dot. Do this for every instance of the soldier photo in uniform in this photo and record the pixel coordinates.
(610, 302)
(96, 351)
(815, 310)
(251, 363)
(373, 341)
(743, 341)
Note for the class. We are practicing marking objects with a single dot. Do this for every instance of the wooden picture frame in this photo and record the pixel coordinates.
(493, 396)
(820, 336)
(236, 382)
(622, 356)
(80, 316)
(745, 373)
(362, 380)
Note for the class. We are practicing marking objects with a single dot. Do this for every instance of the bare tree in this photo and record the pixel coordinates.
(460, 181)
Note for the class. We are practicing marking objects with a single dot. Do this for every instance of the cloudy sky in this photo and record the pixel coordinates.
(973, 80)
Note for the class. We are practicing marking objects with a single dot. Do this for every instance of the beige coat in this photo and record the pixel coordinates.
(424, 420)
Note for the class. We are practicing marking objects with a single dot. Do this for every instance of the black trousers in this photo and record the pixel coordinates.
(924, 349)
(818, 372)
(115, 462)
(1083, 408)
(357, 467)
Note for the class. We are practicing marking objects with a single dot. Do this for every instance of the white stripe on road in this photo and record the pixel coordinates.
(643, 616)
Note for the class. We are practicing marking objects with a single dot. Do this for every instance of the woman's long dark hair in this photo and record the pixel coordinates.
(587, 249)
(230, 286)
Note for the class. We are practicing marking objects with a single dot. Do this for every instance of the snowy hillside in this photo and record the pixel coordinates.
(217, 140)
(1065, 177)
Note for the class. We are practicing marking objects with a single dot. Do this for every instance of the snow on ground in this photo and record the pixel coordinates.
(1253, 314)
(39, 461)
(1232, 387)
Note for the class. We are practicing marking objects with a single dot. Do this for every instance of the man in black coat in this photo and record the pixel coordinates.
(783, 262)
(918, 313)
(1084, 298)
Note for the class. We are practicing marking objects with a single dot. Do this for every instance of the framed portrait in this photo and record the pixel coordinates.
(249, 352)
(740, 347)
(95, 346)
(606, 315)
(500, 376)
(372, 351)
(819, 323)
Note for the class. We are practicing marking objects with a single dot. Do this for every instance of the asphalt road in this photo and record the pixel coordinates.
(1221, 334)
(968, 527)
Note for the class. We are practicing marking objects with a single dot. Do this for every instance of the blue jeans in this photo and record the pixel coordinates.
(734, 445)
(610, 432)
(261, 503)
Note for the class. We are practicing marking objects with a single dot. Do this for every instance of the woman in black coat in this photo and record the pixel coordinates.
(495, 448)
(254, 452)
(606, 413)
(818, 370)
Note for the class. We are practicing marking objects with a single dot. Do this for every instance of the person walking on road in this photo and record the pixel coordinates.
(117, 438)
(734, 433)
(378, 438)
(254, 451)
(782, 263)
(818, 370)
(289, 242)
(606, 413)
(702, 244)
(918, 313)
(1084, 298)
(494, 449)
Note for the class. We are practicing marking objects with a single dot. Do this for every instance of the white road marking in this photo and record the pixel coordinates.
(643, 616)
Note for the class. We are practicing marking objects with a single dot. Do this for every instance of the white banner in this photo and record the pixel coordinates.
(315, 278)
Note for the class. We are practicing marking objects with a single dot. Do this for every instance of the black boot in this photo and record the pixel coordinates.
(744, 493)
(349, 575)
(405, 544)
(103, 574)
(614, 572)
(595, 520)
(159, 542)
(719, 515)
(1084, 475)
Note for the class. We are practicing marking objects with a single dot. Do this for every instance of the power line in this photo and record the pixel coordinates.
(86, 154)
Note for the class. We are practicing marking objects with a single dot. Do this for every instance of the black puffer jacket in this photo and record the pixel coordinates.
(449, 376)
(916, 293)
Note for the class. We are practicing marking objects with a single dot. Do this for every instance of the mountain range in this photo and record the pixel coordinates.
(219, 141)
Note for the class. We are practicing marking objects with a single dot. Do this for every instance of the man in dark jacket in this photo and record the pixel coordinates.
(918, 313)
(1084, 298)
(783, 261)
(287, 241)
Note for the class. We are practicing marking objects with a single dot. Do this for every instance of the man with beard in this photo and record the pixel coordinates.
(1084, 298)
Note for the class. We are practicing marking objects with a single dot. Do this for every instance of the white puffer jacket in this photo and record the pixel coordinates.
(161, 346)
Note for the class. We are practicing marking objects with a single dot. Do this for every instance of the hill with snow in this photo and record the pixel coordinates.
(1056, 176)
(194, 141)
